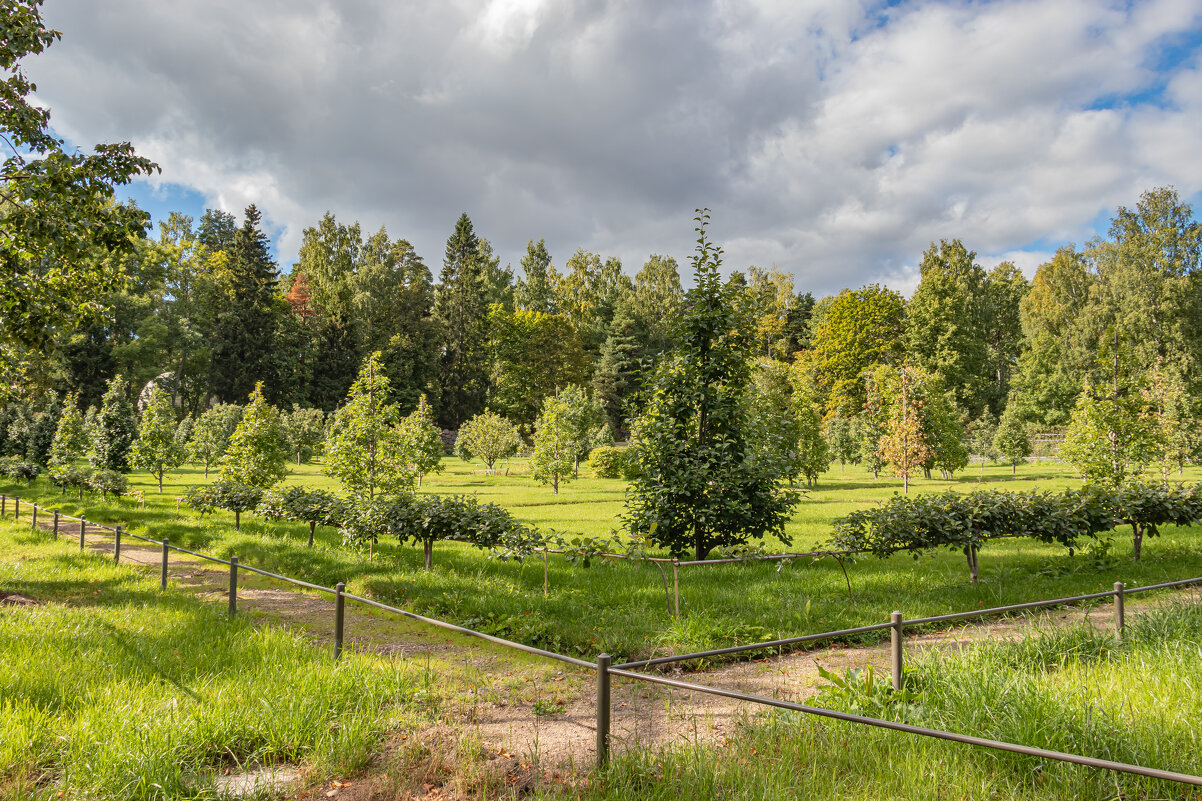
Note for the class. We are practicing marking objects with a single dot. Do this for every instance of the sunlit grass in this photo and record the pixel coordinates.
(111, 689)
(1076, 691)
(622, 608)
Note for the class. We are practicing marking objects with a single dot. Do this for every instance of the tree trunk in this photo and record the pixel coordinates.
(428, 547)
(312, 526)
(906, 483)
(237, 520)
(419, 480)
(1137, 540)
(555, 484)
(971, 553)
(1014, 468)
(160, 481)
(206, 468)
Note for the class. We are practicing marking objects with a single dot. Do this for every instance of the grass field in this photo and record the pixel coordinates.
(1075, 691)
(620, 607)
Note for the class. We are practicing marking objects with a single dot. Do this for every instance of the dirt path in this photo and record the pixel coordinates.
(529, 710)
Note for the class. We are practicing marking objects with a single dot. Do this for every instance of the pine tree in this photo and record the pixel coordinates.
(113, 430)
(156, 448)
(461, 308)
(616, 379)
(257, 454)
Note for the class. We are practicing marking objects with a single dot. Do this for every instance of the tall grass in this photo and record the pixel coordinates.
(1073, 690)
(129, 693)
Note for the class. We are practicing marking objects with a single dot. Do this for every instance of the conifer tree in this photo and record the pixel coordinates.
(156, 448)
(246, 323)
(461, 308)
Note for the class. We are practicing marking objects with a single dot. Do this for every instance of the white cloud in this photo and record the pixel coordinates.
(833, 139)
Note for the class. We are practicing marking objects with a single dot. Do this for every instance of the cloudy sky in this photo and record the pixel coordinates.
(833, 138)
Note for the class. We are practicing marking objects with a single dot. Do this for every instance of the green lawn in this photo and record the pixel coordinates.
(621, 607)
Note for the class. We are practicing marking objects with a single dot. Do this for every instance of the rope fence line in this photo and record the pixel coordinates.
(604, 670)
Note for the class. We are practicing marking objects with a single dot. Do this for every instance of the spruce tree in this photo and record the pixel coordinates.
(156, 448)
(113, 430)
(461, 308)
(246, 324)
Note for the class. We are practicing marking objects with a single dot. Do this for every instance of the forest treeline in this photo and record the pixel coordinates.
(205, 312)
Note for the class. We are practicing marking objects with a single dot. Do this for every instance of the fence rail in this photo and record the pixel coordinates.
(605, 671)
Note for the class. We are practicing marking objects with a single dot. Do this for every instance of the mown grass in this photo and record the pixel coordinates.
(111, 689)
(622, 608)
(1075, 691)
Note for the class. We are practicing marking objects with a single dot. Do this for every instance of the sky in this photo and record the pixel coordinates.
(835, 140)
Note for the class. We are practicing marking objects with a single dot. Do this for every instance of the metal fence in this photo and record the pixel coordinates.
(604, 669)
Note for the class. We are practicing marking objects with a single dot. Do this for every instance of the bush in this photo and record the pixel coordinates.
(232, 496)
(429, 518)
(315, 507)
(19, 469)
(108, 482)
(76, 478)
(966, 521)
(614, 462)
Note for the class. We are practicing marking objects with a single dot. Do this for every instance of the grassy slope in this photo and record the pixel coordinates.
(621, 608)
(112, 689)
(1075, 691)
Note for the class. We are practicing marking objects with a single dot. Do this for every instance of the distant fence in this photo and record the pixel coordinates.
(605, 670)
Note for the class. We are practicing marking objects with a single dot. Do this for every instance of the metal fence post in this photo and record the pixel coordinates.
(233, 585)
(676, 585)
(117, 545)
(163, 572)
(1120, 613)
(83, 523)
(34, 517)
(603, 680)
(339, 617)
(895, 641)
(56, 524)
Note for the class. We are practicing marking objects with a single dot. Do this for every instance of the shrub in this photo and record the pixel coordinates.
(614, 462)
(76, 478)
(315, 507)
(108, 482)
(232, 496)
